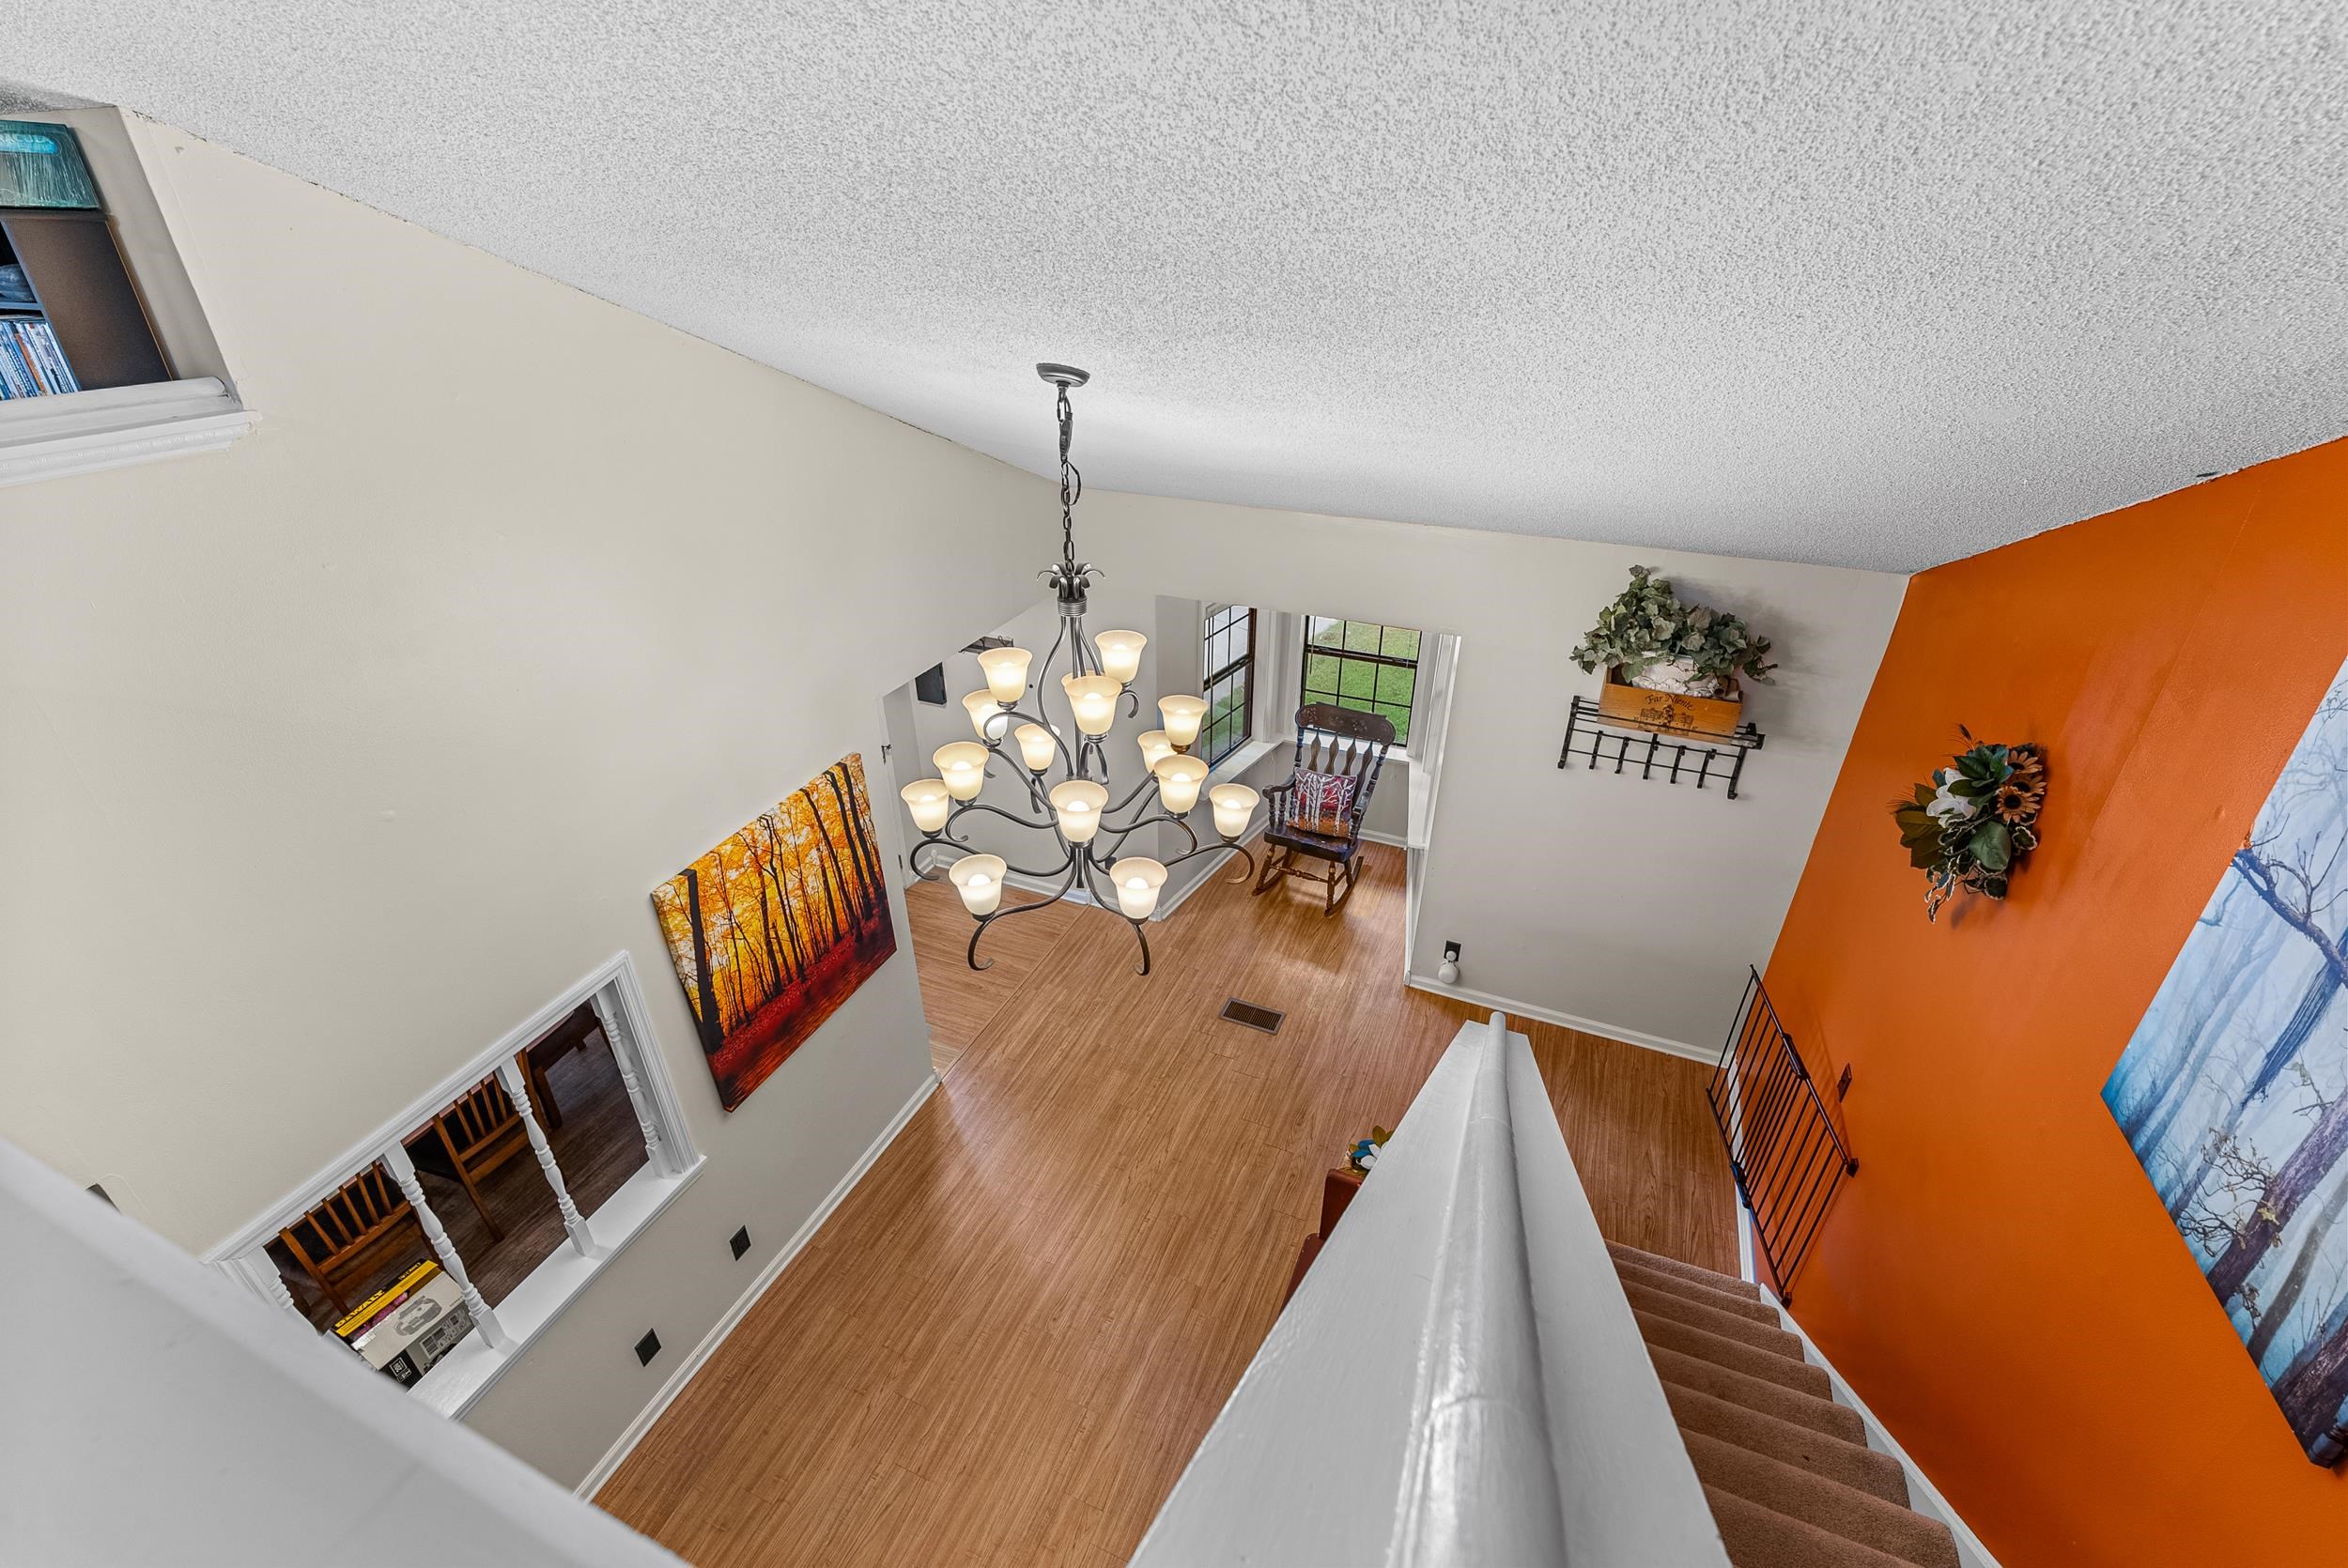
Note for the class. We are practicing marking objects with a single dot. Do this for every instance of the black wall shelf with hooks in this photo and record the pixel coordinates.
(1677, 756)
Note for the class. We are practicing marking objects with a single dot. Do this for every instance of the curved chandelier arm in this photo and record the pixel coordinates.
(965, 844)
(1091, 863)
(971, 954)
(1148, 781)
(1133, 703)
(1247, 873)
(994, 746)
(998, 811)
(1188, 831)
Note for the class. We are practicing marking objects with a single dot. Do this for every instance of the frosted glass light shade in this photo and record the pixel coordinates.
(1120, 654)
(1183, 716)
(1179, 778)
(1078, 805)
(983, 709)
(1006, 672)
(1036, 746)
(1155, 748)
(1094, 700)
(1233, 805)
(1137, 881)
(963, 765)
(979, 878)
(927, 799)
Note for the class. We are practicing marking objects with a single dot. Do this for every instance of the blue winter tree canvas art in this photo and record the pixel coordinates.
(2233, 1090)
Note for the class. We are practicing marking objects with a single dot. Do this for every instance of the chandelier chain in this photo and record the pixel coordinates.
(1072, 483)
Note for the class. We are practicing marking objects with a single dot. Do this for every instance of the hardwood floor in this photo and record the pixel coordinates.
(961, 1001)
(1005, 1343)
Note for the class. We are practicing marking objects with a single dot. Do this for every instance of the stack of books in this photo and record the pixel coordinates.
(31, 363)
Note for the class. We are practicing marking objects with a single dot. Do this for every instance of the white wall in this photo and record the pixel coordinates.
(332, 756)
(1634, 905)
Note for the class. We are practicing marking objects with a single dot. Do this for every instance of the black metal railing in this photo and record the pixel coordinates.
(1785, 1152)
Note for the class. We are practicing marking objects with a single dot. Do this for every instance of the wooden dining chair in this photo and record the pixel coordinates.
(478, 1131)
(340, 1239)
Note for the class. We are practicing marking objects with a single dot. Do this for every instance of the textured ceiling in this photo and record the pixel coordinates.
(1858, 281)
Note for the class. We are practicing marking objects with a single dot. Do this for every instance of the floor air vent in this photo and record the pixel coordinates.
(1253, 1016)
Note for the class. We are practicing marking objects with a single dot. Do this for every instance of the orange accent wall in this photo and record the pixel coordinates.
(2000, 1282)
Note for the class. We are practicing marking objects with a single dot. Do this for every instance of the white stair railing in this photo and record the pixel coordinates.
(1458, 1378)
(156, 1413)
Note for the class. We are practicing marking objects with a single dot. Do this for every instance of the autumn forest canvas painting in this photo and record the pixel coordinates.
(2234, 1091)
(777, 926)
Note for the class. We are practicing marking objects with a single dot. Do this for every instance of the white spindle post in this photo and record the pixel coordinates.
(607, 1016)
(261, 1276)
(517, 1090)
(404, 1172)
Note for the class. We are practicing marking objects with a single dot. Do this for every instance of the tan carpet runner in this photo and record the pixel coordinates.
(1788, 1471)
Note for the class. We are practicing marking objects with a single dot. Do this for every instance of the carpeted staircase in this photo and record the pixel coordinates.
(1788, 1471)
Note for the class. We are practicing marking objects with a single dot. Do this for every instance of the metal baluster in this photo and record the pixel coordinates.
(404, 1172)
(517, 1090)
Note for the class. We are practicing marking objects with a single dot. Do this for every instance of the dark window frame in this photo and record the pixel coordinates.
(1378, 661)
(1225, 736)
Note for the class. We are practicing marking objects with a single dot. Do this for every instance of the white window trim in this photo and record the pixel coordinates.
(70, 433)
(461, 1377)
(74, 433)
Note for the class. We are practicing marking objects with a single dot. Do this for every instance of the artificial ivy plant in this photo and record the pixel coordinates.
(1646, 625)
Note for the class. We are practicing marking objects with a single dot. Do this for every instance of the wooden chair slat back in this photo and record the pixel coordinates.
(349, 1217)
(479, 1115)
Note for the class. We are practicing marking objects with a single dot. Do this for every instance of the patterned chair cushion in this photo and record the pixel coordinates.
(1324, 803)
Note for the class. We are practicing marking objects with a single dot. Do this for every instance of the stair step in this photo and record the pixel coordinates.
(1691, 1290)
(1800, 1494)
(1661, 1264)
(1735, 1355)
(1821, 1453)
(1814, 1411)
(1758, 1537)
(1713, 1320)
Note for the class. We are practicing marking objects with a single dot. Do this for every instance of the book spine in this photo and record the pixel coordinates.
(60, 374)
(67, 381)
(30, 356)
(14, 377)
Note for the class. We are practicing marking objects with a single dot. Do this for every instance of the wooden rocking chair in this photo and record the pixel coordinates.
(1370, 735)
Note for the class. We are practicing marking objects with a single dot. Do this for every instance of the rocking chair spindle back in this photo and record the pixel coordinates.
(1348, 744)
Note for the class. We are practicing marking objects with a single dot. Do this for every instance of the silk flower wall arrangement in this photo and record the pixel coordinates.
(1970, 825)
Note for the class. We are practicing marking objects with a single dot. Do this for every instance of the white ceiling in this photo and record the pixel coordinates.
(1858, 280)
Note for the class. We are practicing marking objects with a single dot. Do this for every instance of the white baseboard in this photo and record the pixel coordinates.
(1922, 1496)
(749, 1298)
(1548, 1015)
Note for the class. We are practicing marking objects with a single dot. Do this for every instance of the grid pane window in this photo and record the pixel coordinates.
(1362, 664)
(1229, 662)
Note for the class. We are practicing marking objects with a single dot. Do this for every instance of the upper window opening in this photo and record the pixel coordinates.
(1361, 664)
(70, 318)
(1230, 663)
(475, 1163)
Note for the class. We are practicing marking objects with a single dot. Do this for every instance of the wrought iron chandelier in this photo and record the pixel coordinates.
(1075, 810)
